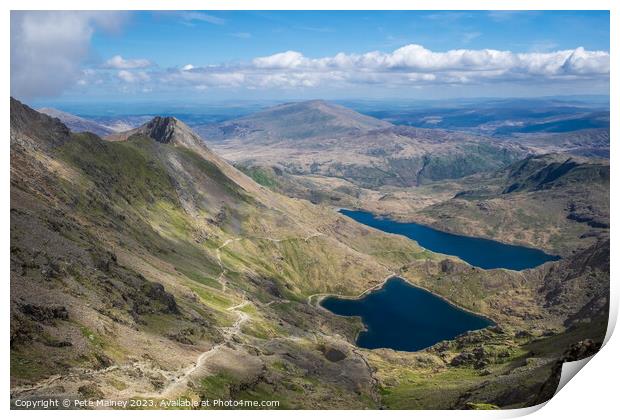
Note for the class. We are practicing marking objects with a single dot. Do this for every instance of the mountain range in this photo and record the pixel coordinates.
(316, 138)
(427, 175)
(146, 265)
(78, 124)
(555, 202)
(102, 126)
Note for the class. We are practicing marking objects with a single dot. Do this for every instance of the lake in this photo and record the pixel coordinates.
(479, 252)
(404, 317)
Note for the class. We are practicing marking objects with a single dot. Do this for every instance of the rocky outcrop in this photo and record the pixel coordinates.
(165, 130)
(160, 129)
(542, 172)
(577, 288)
(50, 132)
(44, 314)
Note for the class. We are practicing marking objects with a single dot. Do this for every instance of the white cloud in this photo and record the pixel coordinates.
(408, 66)
(133, 77)
(285, 60)
(189, 17)
(476, 64)
(118, 62)
(581, 61)
(47, 48)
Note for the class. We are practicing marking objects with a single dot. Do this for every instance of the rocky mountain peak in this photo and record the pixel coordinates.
(161, 129)
(166, 130)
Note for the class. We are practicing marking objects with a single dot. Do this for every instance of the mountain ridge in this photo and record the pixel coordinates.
(77, 124)
(294, 121)
(369, 155)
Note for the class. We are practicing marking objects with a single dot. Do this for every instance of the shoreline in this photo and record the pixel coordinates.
(395, 219)
(322, 296)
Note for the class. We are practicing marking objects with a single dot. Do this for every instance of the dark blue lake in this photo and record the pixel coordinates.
(403, 317)
(479, 252)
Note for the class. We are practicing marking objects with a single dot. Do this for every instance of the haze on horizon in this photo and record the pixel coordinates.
(199, 56)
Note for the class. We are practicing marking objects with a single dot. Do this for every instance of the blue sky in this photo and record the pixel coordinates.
(244, 35)
(213, 55)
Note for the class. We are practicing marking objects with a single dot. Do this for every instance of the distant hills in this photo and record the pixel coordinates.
(588, 142)
(554, 171)
(319, 138)
(102, 128)
(78, 124)
(548, 189)
(500, 117)
(294, 121)
(578, 126)
(558, 202)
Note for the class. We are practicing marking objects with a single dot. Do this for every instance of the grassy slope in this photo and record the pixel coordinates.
(123, 196)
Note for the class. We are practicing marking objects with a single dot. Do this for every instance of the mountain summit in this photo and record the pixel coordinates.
(173, 132)
(161, 129)
(167, 130)
(295, 121)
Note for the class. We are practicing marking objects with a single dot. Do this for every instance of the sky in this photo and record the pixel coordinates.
(236, 55)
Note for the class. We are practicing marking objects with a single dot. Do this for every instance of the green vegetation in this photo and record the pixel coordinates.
(216, 386)
(263, 176)
(29, 365)
(92, 338)
(482, 406)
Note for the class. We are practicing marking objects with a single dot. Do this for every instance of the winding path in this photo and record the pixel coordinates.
(181, 382)
(218, 254)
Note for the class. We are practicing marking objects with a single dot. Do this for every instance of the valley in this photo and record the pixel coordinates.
(151, 263)
(455, 181)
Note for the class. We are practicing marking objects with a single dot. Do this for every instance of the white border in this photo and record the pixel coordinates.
(591, 395)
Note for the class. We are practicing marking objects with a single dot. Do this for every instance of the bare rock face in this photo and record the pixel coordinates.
(156, 292)
(578, 287)
(161, 129)
(166, 130)
(44, 314)
(332, 353)
(450, 266)
(49, 131)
